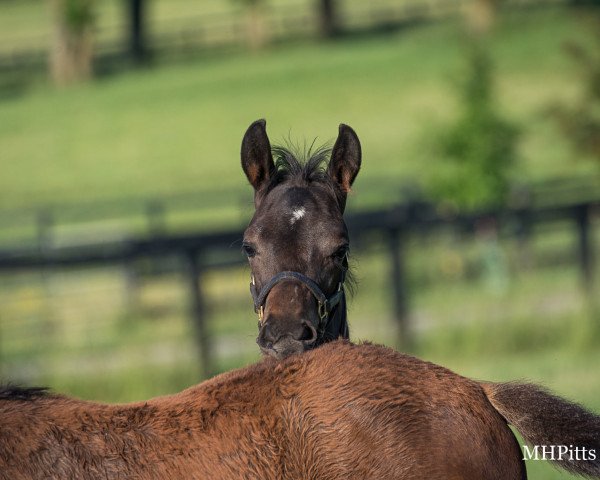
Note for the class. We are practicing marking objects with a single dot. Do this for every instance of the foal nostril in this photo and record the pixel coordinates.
(309, 333)
(266, 338)
(296, 337)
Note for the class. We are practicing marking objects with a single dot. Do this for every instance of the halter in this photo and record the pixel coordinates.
(326, 305)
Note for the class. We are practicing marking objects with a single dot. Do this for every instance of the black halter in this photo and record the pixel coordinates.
(331, 310)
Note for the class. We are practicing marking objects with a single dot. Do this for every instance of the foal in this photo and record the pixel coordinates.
(297, 242)
(337, 412)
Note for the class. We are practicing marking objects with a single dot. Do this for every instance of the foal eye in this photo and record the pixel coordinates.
(248, 249)
(340, 253)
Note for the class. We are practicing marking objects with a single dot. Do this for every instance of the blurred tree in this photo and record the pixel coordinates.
(479, 150)
(580, 122)
(329, 26)
(72, 49)
(481, 16)
(256, 29)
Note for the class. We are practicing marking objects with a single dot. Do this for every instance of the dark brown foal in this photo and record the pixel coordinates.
(297, 242)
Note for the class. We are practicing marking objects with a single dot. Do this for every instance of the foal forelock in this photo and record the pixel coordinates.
(302, 167)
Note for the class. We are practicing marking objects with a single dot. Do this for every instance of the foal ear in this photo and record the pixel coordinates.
(345, 158)
(257, 159)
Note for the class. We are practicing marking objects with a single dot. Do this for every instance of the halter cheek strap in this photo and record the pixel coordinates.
(325, 304)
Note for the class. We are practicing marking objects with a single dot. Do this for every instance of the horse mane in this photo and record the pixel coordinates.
(15, 392)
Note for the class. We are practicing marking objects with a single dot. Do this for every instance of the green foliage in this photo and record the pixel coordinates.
(478, 151)
(78, 14)
(581, 122)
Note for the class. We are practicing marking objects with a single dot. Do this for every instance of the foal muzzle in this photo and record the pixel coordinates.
(325, 304)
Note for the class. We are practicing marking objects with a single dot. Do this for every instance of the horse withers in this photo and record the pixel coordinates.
(297, 242)
(340, 411)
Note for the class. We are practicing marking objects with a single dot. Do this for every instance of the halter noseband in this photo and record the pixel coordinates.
(326, 305)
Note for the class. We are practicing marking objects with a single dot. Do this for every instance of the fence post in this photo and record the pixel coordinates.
(586, 255)
(198, 311)
(45, 223)
(328, 18)
(524, 218)
(45, 226)
(155, 213)
(137, 33)
(398, 278)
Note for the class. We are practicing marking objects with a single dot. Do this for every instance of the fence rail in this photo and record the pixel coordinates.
(200, 252)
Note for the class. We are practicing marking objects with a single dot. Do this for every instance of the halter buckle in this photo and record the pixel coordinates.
(261, 314)
(322, 310)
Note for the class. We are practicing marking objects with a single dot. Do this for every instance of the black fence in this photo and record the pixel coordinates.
(201, 252)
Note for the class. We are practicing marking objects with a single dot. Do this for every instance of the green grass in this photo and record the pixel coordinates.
(178, 129)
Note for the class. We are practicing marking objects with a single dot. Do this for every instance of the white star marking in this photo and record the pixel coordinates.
(297, 214)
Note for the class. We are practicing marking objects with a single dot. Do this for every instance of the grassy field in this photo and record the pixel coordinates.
(178, 129)
(161, 132)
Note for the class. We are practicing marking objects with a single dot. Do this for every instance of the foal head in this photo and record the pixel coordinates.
(297, 242)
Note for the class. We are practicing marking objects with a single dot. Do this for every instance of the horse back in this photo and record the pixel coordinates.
(388, 415)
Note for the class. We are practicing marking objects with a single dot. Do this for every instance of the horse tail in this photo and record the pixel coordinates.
(556, 429)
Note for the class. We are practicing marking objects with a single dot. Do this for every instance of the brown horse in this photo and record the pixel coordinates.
(297, 242)
(340, 411)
